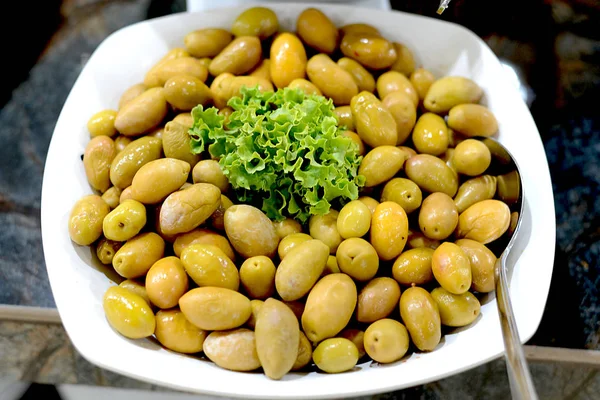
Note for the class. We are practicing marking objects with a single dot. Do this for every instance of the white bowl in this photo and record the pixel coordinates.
(78, 286)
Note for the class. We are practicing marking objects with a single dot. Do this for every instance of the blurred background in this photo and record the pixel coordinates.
(551, 49)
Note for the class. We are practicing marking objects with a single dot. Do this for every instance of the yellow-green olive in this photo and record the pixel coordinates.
(324, 228)
(386, 341)
(377, 300)
(158, 179)
(404, 112)
(288, 60)
(256, 306)
(215, 308)
(475, 190)
(131, 93)
(317, 30)
(250, 231)
(185, 119)
(306, 86)
(256, 21)
(416, 240)
(344, 116)
(404, 192)
(430, 135)
(381, 164)
(125, 221)
(374, 123)
(356, 336)
(356, 139)
(102, 123)
(450, 91)
(335, 355)
(137, 288)
(413, 267)
(389, 230)
(438, 216)
(331, 79)
(304, 353)
(405, 63)
(128, 313)
(370, 202)
(456, 309)
(202, 236)
(359, 28)
(135, 155)
(97, 158)
(126, 194)
(393, 81)
(287, 227)
(422, 318)
(296, 306)
(451, 268)
(300, 269)
(257, 275)
(176, 333)
(121, 142)
(209, 171)
(482, 262)
(290, 241)
(166, 282)
(370, 50)
(362, 77)
(431, 174)
(354, 220)
(143, 113)
(484, 221)
(422, 80)
(471, 157)
(408, 151)
(106, 250)
(186, 209)
(185, 92)
(357, 258)
(262, 70)
(138, 254)
(332, 266)
(160, 74)
(208, 265)
(277, 338)
(238, 57)
(226, 86)
(217, 219)
(234, 350)
(176, 143)
(472, 120)
(207, 42)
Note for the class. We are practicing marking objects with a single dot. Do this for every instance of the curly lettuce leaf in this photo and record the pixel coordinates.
(281, 151)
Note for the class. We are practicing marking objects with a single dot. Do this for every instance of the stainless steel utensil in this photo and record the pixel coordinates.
(510, 190)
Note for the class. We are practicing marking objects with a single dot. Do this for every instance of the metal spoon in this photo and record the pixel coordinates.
(509, 189)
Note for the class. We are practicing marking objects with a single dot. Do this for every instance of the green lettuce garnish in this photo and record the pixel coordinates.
(281, 151)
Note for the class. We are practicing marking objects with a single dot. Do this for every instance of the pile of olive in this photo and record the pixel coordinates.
(386, 270)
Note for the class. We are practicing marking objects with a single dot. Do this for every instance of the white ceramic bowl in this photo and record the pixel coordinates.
(78, 286)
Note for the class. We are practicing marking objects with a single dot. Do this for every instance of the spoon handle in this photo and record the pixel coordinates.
(519, 377)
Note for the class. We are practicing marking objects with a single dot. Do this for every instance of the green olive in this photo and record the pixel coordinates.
(128, 313)
(389, 230)
(166, 282)
(185, 92)
(131, 93)
(304, 353)
(176, 143)
(484, 221)
(125, 221)
(288, 60)
(138, 254)
(416, 240)
(85, 220)
(356, 336)
(256, 21)
(354, 220)
(306, 86)
(472, 120)
(482, 261)
(386, 340)
(372, 51)
(137, 288)
(186, 209)
(404, 112)
(202, 236)
(422, 318)
(362, 77)
(404, 192)
(357, 258)
(370, 202)
(207, 42)
(234, 350)
(208, 265)
(324, 228)
(227, 86)
(405, 63)
(413, 267)
(377, 300)
(332, 266)
(106, 250)
(121, 142)
(431, 174)
(126, 194)
(217, 219)
(359, 28)
(451, 268)
(262, 70)
(393, 81)
(438, 216)
(430, 135)
(287, 227)
(374, 123)
(238, 57)
(176, 333)
(422, 80)
(344, 115)
(166, 70)
(215, 308)
(356, 139)
(102, 123)
(290, 241)
(475, 190)
(209, 171)
(317, 30)
(135, 155)
(471, 157)
(250, 231)
(335, 355)
(456, 309)
(256, 307)
(158, 179)
(451, 91)
(257, 275)
(333, 81)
